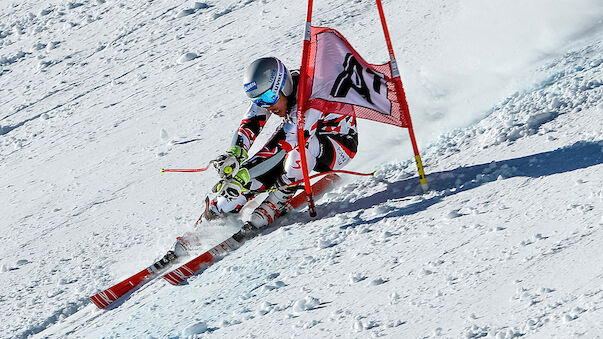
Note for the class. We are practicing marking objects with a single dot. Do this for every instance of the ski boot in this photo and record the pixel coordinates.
(271, 208)
(246, 232)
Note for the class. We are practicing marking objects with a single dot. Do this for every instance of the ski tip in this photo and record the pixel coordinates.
(173, 278)
(100, 301)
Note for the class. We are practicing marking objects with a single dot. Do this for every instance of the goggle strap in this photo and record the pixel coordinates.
(280, 78)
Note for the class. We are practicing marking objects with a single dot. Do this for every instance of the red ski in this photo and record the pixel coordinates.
(185, 271)
(109, 296)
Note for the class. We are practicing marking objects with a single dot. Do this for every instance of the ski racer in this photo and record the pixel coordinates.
(331, 142)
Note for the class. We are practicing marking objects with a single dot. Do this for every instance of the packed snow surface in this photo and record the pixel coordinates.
(97, 96)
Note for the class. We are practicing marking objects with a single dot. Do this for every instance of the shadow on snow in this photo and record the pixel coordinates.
(447, 183)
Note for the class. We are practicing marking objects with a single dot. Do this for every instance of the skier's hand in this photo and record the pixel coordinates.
(234, 187)
(229, 164)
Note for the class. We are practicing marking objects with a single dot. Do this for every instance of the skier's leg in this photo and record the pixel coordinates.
(273, 205)
(292, 165)
(336, 151)
(323, 153)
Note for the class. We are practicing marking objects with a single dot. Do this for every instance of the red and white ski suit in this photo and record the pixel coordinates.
(331, 142)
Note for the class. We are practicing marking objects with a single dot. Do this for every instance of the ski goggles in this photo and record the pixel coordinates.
(266, 99)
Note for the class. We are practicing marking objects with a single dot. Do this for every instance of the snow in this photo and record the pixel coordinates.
(98, 96)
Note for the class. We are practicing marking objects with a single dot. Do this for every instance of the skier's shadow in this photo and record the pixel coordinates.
(579, 155)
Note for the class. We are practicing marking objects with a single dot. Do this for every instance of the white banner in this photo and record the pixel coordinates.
(341, 75)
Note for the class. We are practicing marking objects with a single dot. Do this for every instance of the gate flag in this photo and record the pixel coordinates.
(334, 78)
(341, 81)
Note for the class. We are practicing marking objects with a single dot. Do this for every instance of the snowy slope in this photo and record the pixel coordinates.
(97, 96)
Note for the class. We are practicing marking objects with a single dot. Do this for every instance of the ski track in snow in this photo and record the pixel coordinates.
(97, 96)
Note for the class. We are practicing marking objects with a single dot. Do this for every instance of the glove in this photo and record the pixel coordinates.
(232, 188)
(228, 164)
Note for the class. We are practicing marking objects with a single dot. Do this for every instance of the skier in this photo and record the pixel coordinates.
(331, 142)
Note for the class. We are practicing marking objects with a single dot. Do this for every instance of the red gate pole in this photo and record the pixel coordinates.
(402, 97)
(301, 107)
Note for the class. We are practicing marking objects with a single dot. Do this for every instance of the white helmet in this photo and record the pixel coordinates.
(267, 74)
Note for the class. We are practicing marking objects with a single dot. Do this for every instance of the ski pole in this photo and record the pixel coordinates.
(190, 170)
